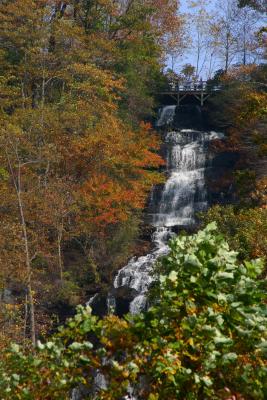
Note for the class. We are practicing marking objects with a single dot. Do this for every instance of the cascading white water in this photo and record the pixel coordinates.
(166, 116)
(183, 195)
(137, 275)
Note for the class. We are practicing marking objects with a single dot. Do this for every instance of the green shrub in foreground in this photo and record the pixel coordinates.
(244, 229)
(205, 337)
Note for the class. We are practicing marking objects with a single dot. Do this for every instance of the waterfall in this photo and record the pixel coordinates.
(184, 193)
(166, 116)
(173, 205)
(137, 275)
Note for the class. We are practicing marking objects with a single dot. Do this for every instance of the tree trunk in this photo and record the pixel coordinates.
(227, 49)
(244, 47)
(28, 265)
(17, 186)
(59, 241)
(198, 54)
(25, 317)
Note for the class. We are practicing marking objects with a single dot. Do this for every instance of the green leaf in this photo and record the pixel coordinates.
(207, 381)
(229, 357)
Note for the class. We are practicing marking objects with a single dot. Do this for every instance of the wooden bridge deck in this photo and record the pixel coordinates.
(200, 90)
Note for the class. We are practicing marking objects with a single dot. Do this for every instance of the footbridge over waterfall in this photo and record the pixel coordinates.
(200, 90)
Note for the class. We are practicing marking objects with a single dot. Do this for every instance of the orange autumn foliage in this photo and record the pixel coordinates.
(117, 181)
(76, 160)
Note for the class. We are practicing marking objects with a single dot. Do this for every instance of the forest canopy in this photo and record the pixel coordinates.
(81, 83)
(76, 159)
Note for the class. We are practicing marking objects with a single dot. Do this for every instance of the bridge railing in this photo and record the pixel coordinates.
(192, 86)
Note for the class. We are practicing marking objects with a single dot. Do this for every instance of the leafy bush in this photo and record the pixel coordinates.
(205, 336)
(244, 229)
(210, 319)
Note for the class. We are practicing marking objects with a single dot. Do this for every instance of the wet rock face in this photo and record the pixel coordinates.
(219, 177)
(189, 117)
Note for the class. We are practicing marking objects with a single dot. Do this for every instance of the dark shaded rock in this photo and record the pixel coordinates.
(99, 305)
(189, 117)
(219, 177)
(225, 160)
(122, 306)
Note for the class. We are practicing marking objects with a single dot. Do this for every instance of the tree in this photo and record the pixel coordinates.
(244, 228)
(256, 4)
(135, 37)
(15, 164)
(202, 44)
(248, 45)
(188, 71)
(223, 31)
(234, 33)
(225, 34)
